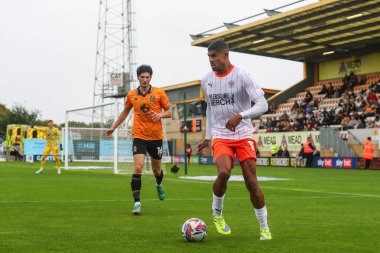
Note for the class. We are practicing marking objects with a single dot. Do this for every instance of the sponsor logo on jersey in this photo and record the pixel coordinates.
(145, 108)
(231, 83)
(152, 98)
(221, 99)
(210, 84)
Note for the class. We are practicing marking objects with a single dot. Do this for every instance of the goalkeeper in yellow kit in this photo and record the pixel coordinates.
(52, 134)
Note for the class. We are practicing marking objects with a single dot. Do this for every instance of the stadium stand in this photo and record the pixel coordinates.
(357, 100)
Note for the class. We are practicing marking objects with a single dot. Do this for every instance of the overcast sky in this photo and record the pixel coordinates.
(47, 48)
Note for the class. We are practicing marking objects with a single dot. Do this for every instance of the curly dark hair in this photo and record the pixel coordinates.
(144, 68)
(219, 45)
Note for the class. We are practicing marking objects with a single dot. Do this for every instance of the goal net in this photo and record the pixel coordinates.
(86, 146)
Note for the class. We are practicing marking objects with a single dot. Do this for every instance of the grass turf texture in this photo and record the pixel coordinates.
(319, 210)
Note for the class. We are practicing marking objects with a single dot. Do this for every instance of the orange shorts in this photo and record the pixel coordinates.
(243, 149)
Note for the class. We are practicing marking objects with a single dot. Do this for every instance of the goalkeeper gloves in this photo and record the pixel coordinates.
(60, 147)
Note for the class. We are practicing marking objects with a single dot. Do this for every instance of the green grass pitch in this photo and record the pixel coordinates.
(319, 210)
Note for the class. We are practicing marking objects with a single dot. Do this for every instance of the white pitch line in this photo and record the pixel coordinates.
(290, 189)
(327, 192)
(184, 199)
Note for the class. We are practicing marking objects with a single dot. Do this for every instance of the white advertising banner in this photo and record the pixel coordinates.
(291, 140)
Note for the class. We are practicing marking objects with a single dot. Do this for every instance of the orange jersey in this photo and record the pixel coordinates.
(144, 105)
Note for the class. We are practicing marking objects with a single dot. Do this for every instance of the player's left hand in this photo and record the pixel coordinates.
(233, 122)
(156, 116)
(60, 147)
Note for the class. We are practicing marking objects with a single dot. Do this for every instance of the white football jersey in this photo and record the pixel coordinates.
(228, 95)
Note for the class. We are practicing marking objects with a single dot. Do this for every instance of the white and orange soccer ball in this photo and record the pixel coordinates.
(194, 230)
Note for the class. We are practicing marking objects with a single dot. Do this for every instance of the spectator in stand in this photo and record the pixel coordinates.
(345, 79)
(368, 152)
(353, 79)
(308, 97)
(352, 123)
(309, 108)
(335, 92)
(363, 80)
(269, 130)
(315, 104)
(324, 89)
(325, 119)
(359, 103)
(295, 105)
(370, 124)
(351, 107)
(371, 96)
(360, 124)
(273, 122)
(310, 127)
(294, 114)
(344, 122)
(338, 119)
(284, 116)
(377, 108)
(344, 86)
(368, 110)
(286, 153)
(296, 126)
(377, 87)
(288, 126)
(303, 104)
(268, 124)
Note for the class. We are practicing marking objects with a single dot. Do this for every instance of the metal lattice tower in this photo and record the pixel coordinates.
(115, 48)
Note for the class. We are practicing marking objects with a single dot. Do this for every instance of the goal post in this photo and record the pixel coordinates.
(86, 146)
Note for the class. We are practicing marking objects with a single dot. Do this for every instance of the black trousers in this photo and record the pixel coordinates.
(309, 159)
(367, 163)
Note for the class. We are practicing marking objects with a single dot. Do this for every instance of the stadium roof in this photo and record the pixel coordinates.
(312, 33)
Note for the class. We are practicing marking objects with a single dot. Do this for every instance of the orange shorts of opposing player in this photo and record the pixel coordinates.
(243, 149)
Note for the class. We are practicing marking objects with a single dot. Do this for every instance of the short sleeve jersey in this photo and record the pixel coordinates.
(228, 95)
(144, 105)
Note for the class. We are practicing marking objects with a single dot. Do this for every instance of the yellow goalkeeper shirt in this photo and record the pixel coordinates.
(52, 134)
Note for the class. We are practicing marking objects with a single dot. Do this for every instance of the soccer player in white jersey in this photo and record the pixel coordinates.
(229, 92)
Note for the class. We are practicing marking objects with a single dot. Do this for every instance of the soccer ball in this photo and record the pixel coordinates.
(194, 230)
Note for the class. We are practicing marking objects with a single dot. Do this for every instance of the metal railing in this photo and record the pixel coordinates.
(329, 138)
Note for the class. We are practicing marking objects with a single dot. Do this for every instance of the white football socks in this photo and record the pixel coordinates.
(217, 205)
(261, 215)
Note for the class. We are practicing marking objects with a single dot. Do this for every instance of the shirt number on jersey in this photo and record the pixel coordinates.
(159, 151)
(252, 145)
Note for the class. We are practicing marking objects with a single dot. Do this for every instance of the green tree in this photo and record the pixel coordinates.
(3, 119)
(18, 114)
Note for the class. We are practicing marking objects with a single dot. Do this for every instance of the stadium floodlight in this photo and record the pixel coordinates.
(355, 16)
(230, 25)
(328, 52)
(271, 13)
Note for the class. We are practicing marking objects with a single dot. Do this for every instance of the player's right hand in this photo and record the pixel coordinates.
(109, 132)
(202, 145)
